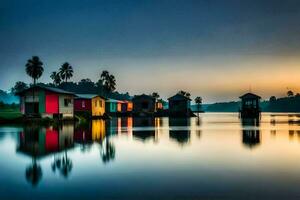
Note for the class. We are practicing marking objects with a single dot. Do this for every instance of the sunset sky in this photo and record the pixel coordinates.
(215, 49)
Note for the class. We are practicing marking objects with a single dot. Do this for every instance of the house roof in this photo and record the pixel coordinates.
(88, 96)
(113, 101)
(179, 97)
(51, 89)
(250, 95)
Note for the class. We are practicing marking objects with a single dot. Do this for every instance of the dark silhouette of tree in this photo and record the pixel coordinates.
(19, 86)
(290, 93)
(87, 85)
(100, 87)
(198, 101)
(66, 71)
(109, 81)
(63, 164)
(107, 151)
(34, 68)
(34, 173)
(155, 95)
(272, 99)
(66, 165)
(55, 76)
(184, 93)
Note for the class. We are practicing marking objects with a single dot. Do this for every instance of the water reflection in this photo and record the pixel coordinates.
(251, 132)
(103, 153)
(178, 130)
(107, 151)
(198, 125)
(95, 132)
(144, 128)
(38, 142)
(33, 172)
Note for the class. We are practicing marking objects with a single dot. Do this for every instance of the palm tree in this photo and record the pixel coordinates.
(55, 76)
(108, 81)
(66, 71)
(104, 75)
(112, 83)
(198, 101)
(290, 93)
(34, 68)
(155, 95)
(184, 93)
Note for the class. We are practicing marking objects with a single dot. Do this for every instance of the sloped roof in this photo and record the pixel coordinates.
(88, 96)
(51, 89)
(113, 101)
(179, 97)
(250, 95)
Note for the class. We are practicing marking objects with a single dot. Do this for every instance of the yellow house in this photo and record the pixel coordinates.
(92, 103)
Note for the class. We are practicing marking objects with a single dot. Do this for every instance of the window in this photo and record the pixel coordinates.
(100, 102)
(250, 103)
(67, 102)
(96, 103)
(83, 104)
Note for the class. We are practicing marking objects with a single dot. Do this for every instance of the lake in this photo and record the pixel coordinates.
(217, 156)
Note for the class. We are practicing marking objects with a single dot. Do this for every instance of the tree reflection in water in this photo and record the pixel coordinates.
(63, 164)
(198, 124)
(33, 173)
(107, 151)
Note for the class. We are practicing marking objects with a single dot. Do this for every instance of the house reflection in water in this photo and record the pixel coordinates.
(96, 132)
(39, 142)
(90, 132)
(125, 125)
(251, 132)
(177, 132)
(112, 126)
(143, 128)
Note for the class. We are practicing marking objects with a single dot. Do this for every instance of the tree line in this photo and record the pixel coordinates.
(34, 68)
(105, 86)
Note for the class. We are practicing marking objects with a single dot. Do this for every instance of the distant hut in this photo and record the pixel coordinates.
(143, 105)
(159, 105)
(126, 106)
(250, 106)
(180, 106)
(113, 106)
(92, 104)
(42, 101)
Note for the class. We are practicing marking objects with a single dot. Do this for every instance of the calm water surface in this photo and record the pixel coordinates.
(216, 157)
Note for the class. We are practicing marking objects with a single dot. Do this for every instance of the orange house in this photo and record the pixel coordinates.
(127, 106)
(92, 103)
